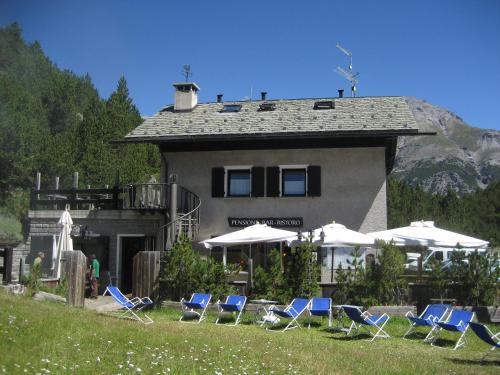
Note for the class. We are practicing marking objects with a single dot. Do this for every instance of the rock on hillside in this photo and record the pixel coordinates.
(460, 156)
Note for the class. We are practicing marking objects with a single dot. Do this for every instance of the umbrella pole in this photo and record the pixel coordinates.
(331, 274)
(250, 268)
(281, 258)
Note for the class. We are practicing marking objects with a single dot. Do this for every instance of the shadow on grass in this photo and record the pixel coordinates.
(476, 362)
(445, 343)
(356, 337)
(416, 336)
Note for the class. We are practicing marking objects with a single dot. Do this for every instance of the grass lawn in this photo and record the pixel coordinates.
(38, 337)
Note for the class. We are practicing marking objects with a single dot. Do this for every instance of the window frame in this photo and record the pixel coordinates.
(227, 180)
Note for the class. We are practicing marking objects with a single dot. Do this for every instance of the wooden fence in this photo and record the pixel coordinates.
(146, 269)
(74, 265)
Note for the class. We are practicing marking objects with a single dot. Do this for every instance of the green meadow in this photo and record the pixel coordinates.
(43, 338)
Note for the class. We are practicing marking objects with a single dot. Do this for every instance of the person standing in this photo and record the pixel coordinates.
(94, 275)
(38, 260)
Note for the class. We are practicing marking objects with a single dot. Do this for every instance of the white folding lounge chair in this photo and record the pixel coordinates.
(458, 321)
(485, 334)
(130, 306)
(198, 301)
(430, 316)
(292, 311)
(233, 305)
(320, 307)
(365, 319)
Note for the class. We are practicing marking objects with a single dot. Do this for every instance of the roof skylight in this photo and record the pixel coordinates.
(324, 104)
(266, 106)
(231, 108)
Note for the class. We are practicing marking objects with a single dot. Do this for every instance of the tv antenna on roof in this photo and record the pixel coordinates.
(348, 74)
(186, 72)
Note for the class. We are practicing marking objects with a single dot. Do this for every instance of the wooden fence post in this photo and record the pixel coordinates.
(74, 269)
(146, 269)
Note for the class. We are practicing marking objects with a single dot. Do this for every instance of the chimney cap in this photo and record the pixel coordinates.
(186, 86)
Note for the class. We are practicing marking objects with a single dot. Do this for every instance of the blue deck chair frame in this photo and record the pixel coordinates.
(130, 307)
(430, 316)
(293, 311)
(233, 305)
(484, 333)
(198, 301)
(458, 321)
(366, 320)
(320, 307)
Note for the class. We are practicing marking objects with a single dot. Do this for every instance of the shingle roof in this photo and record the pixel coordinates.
(294, 117)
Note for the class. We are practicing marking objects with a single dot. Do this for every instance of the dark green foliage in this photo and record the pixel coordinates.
(54, 122)
(270, 284)
(299, 278)
(185, 272)
(301, 271)
(343, 291)
(438, 278)
(475, 277)
(388, 274)
(476, 214)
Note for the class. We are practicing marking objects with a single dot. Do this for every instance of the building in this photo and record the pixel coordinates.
(296, 164)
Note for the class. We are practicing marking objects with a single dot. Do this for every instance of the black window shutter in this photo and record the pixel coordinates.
(218, 182)
(273, 181)
(314, 181)
(257, 181)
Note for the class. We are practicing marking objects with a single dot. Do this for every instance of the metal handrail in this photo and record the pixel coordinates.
(179, 218)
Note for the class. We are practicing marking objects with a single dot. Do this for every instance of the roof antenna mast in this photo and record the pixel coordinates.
(348, 74)
(186, 72)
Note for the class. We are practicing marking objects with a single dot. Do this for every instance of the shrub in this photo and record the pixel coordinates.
(185, 272)
(270, 284)
(388, 275)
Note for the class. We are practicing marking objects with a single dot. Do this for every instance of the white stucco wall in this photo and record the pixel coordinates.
(353, 187)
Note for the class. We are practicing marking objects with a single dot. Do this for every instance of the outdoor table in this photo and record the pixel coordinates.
(263, 310)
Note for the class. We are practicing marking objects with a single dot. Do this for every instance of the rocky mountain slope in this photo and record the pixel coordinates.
(459, 156)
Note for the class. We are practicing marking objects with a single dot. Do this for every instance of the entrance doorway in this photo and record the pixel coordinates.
(129, 247)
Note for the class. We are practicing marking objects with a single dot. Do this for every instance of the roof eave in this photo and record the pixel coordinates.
(290, 136)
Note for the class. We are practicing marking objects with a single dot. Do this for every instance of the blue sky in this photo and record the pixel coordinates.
(446, 52)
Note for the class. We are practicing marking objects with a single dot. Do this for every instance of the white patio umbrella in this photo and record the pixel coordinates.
(249, 235)
(65, 242)
(337, 235)
(424, 233)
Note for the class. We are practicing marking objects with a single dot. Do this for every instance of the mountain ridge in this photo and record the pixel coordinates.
(459, 157)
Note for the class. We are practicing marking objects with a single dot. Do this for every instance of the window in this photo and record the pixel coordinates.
(238, 183)
(267, 107)
(231, 108)
(324, 104)
(293, 182)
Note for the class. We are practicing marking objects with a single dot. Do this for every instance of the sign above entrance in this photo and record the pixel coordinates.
(280, 222)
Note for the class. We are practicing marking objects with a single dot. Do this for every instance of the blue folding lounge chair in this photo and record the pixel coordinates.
(458, 321)
(365, 320)
(233, 305)
(198, 301)
(130, 306)
(292, 311)
(429, 317)
(320, 307)
(484, 333)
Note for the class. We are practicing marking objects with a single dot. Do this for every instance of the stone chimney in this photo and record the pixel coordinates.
(186, 96)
